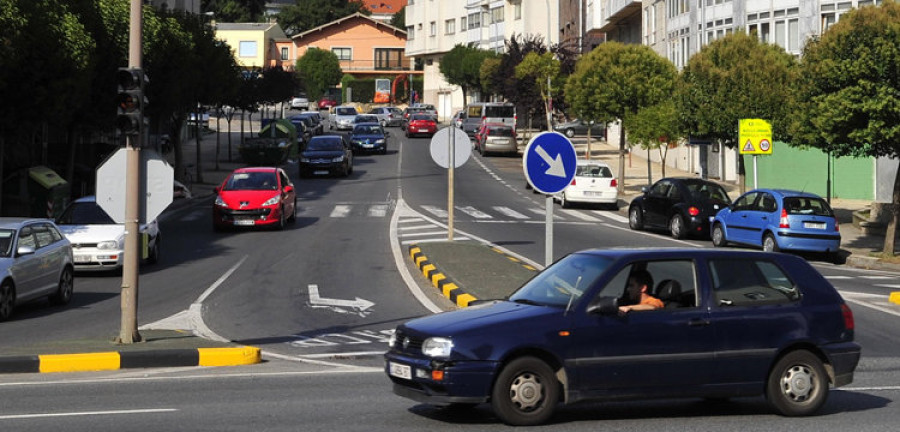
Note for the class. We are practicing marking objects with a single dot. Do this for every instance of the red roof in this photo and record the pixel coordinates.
(385, 6)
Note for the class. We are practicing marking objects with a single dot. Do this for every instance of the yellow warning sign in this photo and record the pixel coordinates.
(756, 136)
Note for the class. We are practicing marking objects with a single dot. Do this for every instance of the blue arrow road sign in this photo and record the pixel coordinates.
(549, 162)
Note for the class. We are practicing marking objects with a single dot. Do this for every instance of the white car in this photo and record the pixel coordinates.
(98, 242)
(300, 102)
(35, 262)
(594, 183)
(343, 117)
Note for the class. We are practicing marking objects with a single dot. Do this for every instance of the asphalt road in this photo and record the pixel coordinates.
(321, 298)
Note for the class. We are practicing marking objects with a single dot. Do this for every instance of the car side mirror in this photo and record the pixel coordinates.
(604, 306)
(25, 250)
(288, 189)
(645, 189)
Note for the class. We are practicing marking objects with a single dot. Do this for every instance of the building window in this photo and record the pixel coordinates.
(497, 15)
(343, 54)
(388, 58)
(450, 26)
(475, 20)
(247, 49)
(410, 32)
(462, 23)
(517, 11)
(432, 29)
(284, 53)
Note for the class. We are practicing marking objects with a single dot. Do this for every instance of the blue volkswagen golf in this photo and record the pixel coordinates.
(779, 219)
(734, 323)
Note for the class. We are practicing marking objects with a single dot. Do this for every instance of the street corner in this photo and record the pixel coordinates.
(438, 279)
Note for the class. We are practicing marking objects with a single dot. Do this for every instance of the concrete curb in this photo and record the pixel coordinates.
(113, 360)
(448, 287)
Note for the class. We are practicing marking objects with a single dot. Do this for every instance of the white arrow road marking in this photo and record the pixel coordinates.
(556, 165)
(361, 306)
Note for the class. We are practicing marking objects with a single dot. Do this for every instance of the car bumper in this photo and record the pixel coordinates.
(246, 217)
(592, 197)
(813, 242)
(97, 260)
(367, 147)
(416, 130)
(462, 382)
(843, 358)
(323, 168)
(505, 146)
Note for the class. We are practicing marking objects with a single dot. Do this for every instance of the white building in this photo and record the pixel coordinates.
(434, 27)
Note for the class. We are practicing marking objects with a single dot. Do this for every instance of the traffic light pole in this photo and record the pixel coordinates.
(128, 332)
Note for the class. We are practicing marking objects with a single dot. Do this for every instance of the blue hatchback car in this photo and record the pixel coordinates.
(735, 323)
(369, 137)
(779, 219)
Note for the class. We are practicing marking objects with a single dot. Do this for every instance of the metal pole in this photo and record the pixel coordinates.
(548, 222)
(549, 96)
(452, 146)
(755, 175)
(128, 332)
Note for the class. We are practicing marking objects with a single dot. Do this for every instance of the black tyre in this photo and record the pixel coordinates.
(770, 244)
(563, 202)
(798, 384)
(676, 227)
(293, 217)
(7, 300)
(570, 132)
(635, 218)
(526, 392)
(153, 255)
(282, 220)
(65, 288)
(718, 236)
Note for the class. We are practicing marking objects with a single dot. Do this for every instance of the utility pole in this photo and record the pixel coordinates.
(128, 332)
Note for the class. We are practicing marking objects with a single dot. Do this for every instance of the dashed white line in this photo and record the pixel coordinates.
(506, 211)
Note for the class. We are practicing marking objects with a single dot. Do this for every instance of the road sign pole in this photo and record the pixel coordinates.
(755, 175)
(451, 152)
(548, 240)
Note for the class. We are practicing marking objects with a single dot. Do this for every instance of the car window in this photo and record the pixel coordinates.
(807, 206)
(42, 236)
(501, 131)
(345, 111)
(84, 213)
(767, 203)
(674, 282)
(6, 242)
(26, 237)
(660, 189)
(593, 171)
(285, 181)
(753, 282)
(746, 202)
(563, 283)
(675, 192)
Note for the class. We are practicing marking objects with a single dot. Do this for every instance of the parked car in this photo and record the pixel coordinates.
(36, 261)
(478, 113)
(98, 242)
(496, 138)
(255, 197)
(314, 123)
(327, 102)
(306, 127)
(734, 324)
(388, 116)
(421, 124)
(369, 137)
(779, 219)
(683, 205)
(343, 117)
(594, 183)
(327, 154)
(580, 127)
(300, 102)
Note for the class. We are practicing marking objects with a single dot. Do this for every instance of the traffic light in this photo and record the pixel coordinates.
(130, 101)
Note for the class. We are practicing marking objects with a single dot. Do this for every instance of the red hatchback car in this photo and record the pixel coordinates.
(327, 102)
(261, 196)
(421, 124)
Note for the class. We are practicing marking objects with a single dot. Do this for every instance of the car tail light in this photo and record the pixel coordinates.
(783, 223)
(693, 211)
(613, 183)
(573, 182)
(837, 226)
(848, 316)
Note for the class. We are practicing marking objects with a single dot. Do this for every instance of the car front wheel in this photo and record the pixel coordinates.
(7, 300)
(635, 218)
(525, 393)
(798, 384)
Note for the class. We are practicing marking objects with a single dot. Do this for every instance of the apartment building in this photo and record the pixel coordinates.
(434, 27)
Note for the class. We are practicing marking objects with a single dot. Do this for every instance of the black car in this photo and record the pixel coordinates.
(368, 137)
(683, 205)
(314, 122)
(733, 323)
(326, 154)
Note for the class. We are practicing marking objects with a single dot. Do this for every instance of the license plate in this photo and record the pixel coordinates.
(814, 225)
(593, 194)
(244, 222)
(400, 370)
(82, 258)
(320, 172)
(368, 145)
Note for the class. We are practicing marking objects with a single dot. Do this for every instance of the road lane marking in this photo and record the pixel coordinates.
(506, 211)
(611, 215)
(474, 212)
(579, 215)
(378, 210)
(86, 413)
(340, 211)
(437, 211)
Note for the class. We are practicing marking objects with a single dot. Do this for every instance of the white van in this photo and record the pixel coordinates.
(488, 112)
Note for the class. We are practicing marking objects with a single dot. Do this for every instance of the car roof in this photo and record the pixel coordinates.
(16, 222)
(787, 193)
(590, 162)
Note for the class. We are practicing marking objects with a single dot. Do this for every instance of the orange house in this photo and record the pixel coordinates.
(364, 46)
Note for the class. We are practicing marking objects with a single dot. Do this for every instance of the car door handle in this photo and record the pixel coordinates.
(698, 322)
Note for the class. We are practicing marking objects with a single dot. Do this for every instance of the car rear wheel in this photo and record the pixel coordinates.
(770, 244)
(63, 294)
(798, 384)
(570, 132)
(676, 227)
(525, 393)
(153, 255)
(563, 201)
(718, 236)
(7, 300)
(635, 218)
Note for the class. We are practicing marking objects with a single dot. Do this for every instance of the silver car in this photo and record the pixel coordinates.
(343, 117)
(388, 116)
(35, 262)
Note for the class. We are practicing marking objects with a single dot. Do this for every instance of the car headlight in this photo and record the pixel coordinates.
(304, 159)
(437, 347)
(220, 202)
(393, 339)
(272, 201)
(338, 159)
(381, 141)
(108, 245)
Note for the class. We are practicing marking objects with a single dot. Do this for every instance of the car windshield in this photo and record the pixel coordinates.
(564, 282)
(345, 111)
(6, 241)
(807, 206)
(84, 213)
(324, 145)
(708, 191)
(593, 171)
(500, 131)
(251, 181)
(367, 130)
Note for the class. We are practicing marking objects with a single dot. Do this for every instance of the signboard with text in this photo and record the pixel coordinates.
(754, 136)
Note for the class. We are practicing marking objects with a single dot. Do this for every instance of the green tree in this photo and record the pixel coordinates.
(318, 70)
(848, 103)
(462, 66)
(655, 127)
(733, 78)
(237, 11)
(309, 14)
(399, 19)
(490, 84)
(614, 81)
(542, 70)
